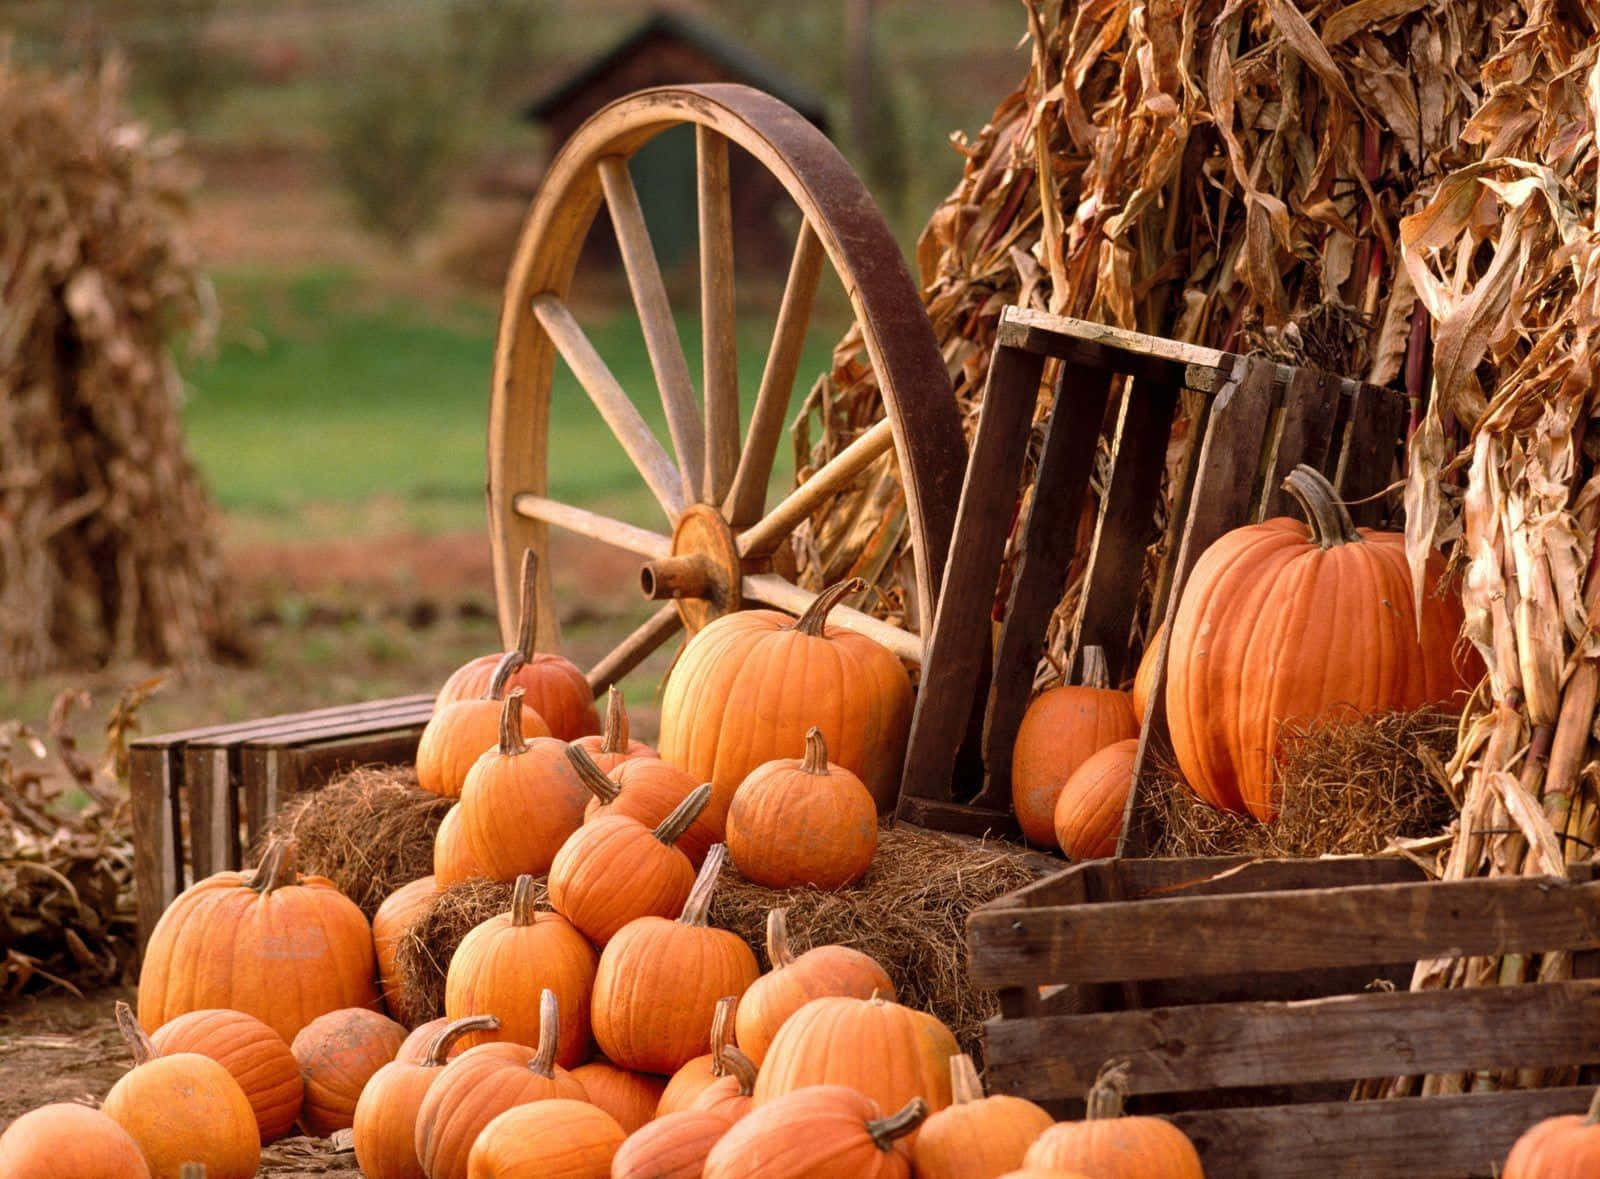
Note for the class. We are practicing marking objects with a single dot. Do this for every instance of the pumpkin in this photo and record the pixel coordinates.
(659, 980)
(615, 869)
(453, 861)
(271, 943)
(613, 746)
(748, 686)
(889, 1052)
(1565, 1147)
(459, 733)
(1144, 679)
(817, 1133)
(419, 1040)
(798, 823)
(1282, 622)
(385, 1125)
(483, 1082)
(389, 924)
(646, 789)
(1089, 809)
(70, 1141)
(793, 982)
(520, 801)
(730, 1094)
(338, 1053)
(671, 1147)
(1061, 730)
(976, 1137)
(182, 1108)
(555, 687)
(689, 1081)
(1110, 1146)
(628, 1096)
(555, 1139)
(254, 1055)
(503, 965)
(1043, 1173)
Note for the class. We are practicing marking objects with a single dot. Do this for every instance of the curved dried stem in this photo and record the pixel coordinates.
(741, 1066)
(964, 1083)
(544, 1056)
(885, 1131)
(816, 758)
(528, 605)
(671, 828)
(1095, 673)
(614, 737)
(510, 663)
(134, 1036)
(814, 621)
(779, 952)
(697, 909)
(722, 1030)
(595, 779)
(523, 895)
(512, 743)
(1109, 1092)
(1326, 515)
(439, 1047)
(277, 867)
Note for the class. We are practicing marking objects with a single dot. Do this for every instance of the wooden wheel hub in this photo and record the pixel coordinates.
(703, 574)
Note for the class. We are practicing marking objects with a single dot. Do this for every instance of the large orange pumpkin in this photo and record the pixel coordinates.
(520, 801)
(271, 943)
(749, 685)
(658, 983)
(816, 1131)
(182, 1109)
(555, 1139)
(556, 688)
(976, 1137)
(504, 964)
(461, 732)
(692, 1079)
(389, 924)
(1109, 1146)
(674, 1146)
(1088, 818)
(1566, 1147)
(613, 746)
(628, 1096)
(793, 982)
(803, 822)
(647, 789)
(338, 1053)
(1282, 622)
(254, 1055)
(70, 1141)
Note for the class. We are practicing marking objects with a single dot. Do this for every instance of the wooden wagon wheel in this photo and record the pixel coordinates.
(716, 556)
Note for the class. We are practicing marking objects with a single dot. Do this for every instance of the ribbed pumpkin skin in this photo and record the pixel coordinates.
(889, 1052)
(457, 735)
(1117, 1148)
(1271, 628)
(389, 924)
(471, 1092)
(748, 686)
(608, 762)
(671, 1147)
(690, 1080)
(1063, 728)
(552, 686)
(186, 1108)
(547, 1140)
(254, 1055)
(613, 870)
(976, 1137)
(651, 789)
(338, 1053)
(810, 1133)
(517, 810)
(415, 1049)
(629, 1097)
(452, 859)
(1144, 679)
(1089, 809)
(70, 1141)
(284, 956)
(1566, 1147)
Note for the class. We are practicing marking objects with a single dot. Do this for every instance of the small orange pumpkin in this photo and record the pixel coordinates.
(613, 746)
(556, 688)
(731, 1094)
(459, 733)
(1563, 1147)
(646, 789)
(658, 982)
(798, 823)
(628, 1096)
(254, 1055)
(1089, 809)
(453, 861)
(389, 924)
(1110, 1145)
(70, 1141)
(182, 1109)
(819, 1130)
(338, 1053)
(793, 982)
(1144, 679)
(693, 1078)
(976, 1137)
(671, 1147)
(555, 1139)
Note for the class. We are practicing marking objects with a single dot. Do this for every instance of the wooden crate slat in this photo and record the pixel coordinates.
(157, 831)
(1365, 459)
(1098, 345)
(1304, 435)
(213, 809)
(1297, 930)
(1232, 1045)
(1410, 1138)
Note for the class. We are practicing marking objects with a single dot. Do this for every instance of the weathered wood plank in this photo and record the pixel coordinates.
(959, 818)
(1304, 435)
(153, 772)
(1099, 345)
(1227, 1045)
(213, 807)
(1297, 930)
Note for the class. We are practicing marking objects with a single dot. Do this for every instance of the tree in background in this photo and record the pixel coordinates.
(168, 46)
(492, 43)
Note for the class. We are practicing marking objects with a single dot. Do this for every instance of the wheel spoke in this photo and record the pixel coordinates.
(613, 403)
(748, 495)
(655, 317)
(636, 648)
(800, 503)
(717, 322)
(615, 533)
(778, 591)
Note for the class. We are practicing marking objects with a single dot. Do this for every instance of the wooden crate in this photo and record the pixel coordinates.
(1249, 994)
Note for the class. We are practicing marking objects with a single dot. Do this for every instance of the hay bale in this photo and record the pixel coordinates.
(1348, 789)
(369, 832)
(424, 953)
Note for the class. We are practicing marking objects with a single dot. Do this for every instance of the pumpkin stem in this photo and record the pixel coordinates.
(1593, 1117)
(1095, 673)
(277, 867)
(523, 900)
(511, 741)
(671, 828)
(722, 1031)
(508, 666)
(884, 1131)
(964, 1083)
(779, 952)
(528, 605)
(592, 776)
(439, 1047)
(1326, 515)
(192, 1171)
(815, 618)
(816, 759)
(697, 909)
(1109, 1091)
(741, 1066)
(138, 1042)
(615, 734)
(544, 1056)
